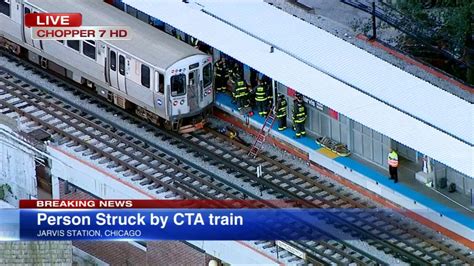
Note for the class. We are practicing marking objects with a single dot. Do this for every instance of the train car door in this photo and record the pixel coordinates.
(16, 11)
(193, 91)
(121, 72)
(160, 101)
(116, 70)
(27, 31)
(112, 69)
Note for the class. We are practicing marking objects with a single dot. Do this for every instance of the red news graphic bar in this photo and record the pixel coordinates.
(53, 19)
(158, 204)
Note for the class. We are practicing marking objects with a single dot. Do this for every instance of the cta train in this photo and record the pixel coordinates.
(161, 78)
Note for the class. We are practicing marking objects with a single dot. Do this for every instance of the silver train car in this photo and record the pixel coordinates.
(161, 78)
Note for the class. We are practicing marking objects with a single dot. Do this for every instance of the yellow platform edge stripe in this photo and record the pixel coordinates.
(327, 152)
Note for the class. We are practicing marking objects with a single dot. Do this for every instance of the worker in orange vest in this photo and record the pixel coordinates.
(393, 165)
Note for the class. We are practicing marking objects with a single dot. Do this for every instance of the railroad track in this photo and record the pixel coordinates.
(383, 230)
(390, 234)
(149, 167)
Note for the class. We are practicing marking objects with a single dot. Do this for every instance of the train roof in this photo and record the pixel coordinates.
(148, 43)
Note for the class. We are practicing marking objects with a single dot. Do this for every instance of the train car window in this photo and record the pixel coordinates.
(143, 17)
(207, 75)
(132, 11)
(178, 84)
(161, 88)
(145, 76)
(61, 41)
(5, 7)
(74, 44)
(193, 66)
(88, 48)
(122, 65)
(191, 78)
(113, 61)
(119, 5)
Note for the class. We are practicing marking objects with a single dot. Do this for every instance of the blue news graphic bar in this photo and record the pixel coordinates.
(183, 224)
(9, 224)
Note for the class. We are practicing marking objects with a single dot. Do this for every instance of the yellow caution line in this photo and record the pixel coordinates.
(328, 153)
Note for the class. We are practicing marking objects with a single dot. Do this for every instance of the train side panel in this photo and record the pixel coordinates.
(180, 91)
(10, 19)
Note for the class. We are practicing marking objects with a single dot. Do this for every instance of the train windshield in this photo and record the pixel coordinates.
(178, 85)
(207, 75)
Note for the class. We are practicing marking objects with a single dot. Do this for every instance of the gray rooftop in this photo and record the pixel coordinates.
(36, 253)
(338, 19)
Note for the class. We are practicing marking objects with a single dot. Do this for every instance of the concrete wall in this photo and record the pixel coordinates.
(17, 166)
(90, 177)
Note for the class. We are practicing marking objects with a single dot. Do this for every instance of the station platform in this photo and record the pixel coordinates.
(421, 203)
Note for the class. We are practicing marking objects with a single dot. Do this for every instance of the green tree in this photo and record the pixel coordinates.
(4, 189)
(452, 22)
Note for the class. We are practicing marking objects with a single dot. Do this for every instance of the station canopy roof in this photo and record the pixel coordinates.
(331, 71)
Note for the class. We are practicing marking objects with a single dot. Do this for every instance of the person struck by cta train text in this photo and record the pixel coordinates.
(261, 98)
(299, 116)
(240, 92)
(221, 75)
(393, 165)
(281, 111)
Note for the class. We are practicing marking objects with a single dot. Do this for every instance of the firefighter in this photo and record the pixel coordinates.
(393, 165)
(194, 42)
(299, 116)
(261, 98)
(179, 34)
(236, 71)
(267, 83)
(281, 111)
(240, 92)
(221, 75)
(232, 72)
(269, 89)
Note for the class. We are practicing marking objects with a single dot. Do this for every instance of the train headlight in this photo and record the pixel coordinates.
(182, 102)
(175, 103)
(209, 91)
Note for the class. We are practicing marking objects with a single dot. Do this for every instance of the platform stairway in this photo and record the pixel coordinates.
(262, 135)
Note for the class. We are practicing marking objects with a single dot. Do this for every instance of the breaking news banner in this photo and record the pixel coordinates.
(68, 26)
(172, 220)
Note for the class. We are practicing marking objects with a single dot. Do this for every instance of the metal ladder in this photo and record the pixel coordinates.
(267, 126)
